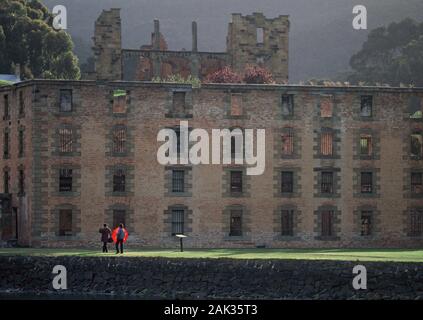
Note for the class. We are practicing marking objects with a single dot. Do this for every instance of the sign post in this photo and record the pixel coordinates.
(181, 238)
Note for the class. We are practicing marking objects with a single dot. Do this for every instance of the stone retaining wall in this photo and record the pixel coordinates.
(161, 278)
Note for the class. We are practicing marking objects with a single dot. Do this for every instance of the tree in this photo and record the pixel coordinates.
(392, 55)
(27, 38)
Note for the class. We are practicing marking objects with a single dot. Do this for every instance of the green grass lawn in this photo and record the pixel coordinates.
(399, 255)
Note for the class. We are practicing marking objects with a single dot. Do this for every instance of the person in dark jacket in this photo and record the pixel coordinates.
(105, 236)
(119, 239)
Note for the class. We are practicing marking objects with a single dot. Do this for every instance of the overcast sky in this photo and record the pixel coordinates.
(322, 39)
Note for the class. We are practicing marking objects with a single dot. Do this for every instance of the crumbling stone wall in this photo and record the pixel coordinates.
(244, 48)
(108, 45)
(155, 60)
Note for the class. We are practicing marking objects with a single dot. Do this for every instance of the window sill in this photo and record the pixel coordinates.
(178, 194)
(119, 194)
(178, 115)
(290, 157)
(237, 194)
(67, 194)
(237, 238)
(327, 195)
(366, 195)
(367, 157)
(327, 238)
(287, 238)
(366, 118)
(240, 117)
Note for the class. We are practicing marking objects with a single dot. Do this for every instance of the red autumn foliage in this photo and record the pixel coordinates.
(225, 75)
(255, 74)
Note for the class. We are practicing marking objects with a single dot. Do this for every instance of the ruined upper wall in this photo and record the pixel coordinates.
(108, 45)
(154, 60)
(257, 40)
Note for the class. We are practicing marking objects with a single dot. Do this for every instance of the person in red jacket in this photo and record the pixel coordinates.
(120, 236)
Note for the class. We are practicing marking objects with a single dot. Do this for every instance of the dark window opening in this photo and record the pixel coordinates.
(287, 222)
(366, 108)
(366, 145)
(366, 223)
(416, 145)
(287, 105)
(367, 182)
(178, 141)
(417, 183)
(287, 181)
(119, 140)
(119, 101)
(179, 102)
(21, 185)
(327, 182)
(415, 107)
(178, 221)
(65, 100)
(288, 142)
(235, 228)
(236, 181)
(6, 145)
(65, 222)
(416, 222)
(6, 107)
(237, 145)
(327, 223)
(119, 181)
(260, 35)
(21, 104)
(119, 217)
(236, 104)
(20, 143)
(65, 180)
(6, 179)
(326, 144)
(178, 181)
(326, 107)
(66, 140)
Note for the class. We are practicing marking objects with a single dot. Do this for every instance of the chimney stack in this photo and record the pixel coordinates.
(156, 44)
(194, 36)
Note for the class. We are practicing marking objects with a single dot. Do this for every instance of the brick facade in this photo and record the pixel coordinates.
(207, 200)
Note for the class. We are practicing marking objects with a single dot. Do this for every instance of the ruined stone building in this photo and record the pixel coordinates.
(344, 165)
(251, 40)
